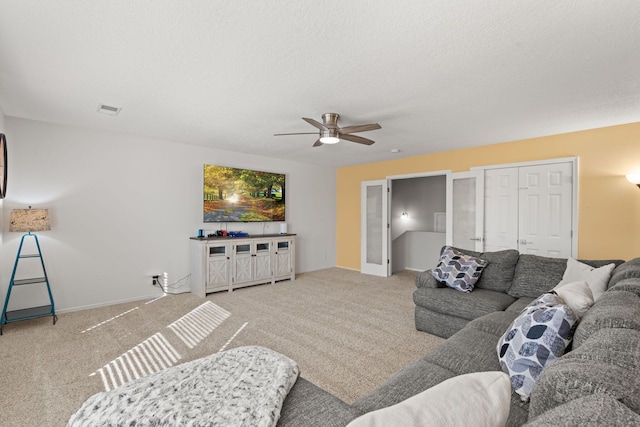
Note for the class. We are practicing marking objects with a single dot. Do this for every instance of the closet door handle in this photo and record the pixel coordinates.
(476, 239)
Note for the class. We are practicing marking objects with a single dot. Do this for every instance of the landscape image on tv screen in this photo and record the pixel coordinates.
(242, 195)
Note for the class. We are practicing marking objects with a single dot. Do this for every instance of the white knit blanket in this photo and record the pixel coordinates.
(245, 386)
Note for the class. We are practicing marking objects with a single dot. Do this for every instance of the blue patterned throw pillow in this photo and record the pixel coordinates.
(538, 336)
(457, 270)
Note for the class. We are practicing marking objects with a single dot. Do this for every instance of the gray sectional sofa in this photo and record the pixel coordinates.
(596, 382)
(509, 283)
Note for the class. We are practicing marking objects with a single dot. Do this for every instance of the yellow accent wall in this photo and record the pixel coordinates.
(608, 205)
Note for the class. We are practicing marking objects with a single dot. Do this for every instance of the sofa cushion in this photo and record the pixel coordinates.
(596, 278)
(518, 412)
(461, 304)
(457, 270)
(536, 275)
(484, 401)
(493, 323)
(409, 381)
(438, 324)
(520, 304)
(498, 274)
(468, 350)
(607, 363)
(614, 346)
(627, 285)
(536, 337)
(425, 279)
(626, 270)
(309, 405)
(593, 410)
(615, 309)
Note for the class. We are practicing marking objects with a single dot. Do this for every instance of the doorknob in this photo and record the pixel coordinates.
(523, 242)
(476, 239)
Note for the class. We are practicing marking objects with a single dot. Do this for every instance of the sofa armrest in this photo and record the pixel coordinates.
(425, 279)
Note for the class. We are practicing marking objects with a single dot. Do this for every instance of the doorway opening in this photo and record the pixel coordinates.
(417, 222)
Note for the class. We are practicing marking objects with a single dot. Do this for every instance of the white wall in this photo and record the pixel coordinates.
(417, 250)
(122, 207)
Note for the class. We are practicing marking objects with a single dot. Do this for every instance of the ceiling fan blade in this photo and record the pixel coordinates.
(317, 143)
(358, 139)
(315, 123)
(359, 128)
(298, 133)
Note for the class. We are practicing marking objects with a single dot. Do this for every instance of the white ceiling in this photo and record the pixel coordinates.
(437, 75)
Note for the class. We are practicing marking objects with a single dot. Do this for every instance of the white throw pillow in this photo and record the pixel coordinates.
(596, 278)
(577, 295)
(477, 399)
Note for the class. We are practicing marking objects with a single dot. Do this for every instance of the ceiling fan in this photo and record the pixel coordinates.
(330, 133)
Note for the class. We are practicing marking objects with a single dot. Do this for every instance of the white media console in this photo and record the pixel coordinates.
(228, 263)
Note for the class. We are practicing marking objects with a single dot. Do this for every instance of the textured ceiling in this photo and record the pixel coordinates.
(437, 75)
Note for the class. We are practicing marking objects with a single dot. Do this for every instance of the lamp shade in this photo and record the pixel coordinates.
(28, 220)
(634, 178)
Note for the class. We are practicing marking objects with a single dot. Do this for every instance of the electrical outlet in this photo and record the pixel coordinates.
(155, 280)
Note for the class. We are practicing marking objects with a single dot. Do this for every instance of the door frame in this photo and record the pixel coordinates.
(390, 179)
(574, 182)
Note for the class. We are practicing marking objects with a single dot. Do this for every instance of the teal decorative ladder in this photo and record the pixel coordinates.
(28, 313)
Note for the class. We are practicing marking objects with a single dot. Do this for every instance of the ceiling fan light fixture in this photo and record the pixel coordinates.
(331, 133)
(329, 140)
(329, 137)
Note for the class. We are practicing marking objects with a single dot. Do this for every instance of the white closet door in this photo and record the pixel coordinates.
(501, 209)
(546, 210)
(374, 229)
(465, 210)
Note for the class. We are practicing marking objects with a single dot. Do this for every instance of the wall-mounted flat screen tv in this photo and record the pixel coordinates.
(242, 195)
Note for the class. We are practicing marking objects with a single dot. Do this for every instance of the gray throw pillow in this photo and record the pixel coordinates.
(457, 270)
(537, 337)
(498, 274)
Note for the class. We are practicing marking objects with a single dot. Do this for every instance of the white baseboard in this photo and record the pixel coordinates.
(105, 304)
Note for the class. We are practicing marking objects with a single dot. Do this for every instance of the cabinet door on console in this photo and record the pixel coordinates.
(262, 261)
(242, 270)
(218, 267)
(283, 259)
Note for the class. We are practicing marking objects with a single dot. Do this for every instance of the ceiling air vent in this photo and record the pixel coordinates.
(107, 109)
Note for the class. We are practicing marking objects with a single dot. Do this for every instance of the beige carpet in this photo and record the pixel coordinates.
(347, 331)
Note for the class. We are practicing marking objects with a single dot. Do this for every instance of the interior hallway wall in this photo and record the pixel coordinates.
(413, 237)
